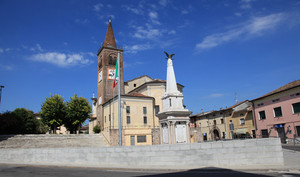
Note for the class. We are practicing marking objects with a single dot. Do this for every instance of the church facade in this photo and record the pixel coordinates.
(141, 101)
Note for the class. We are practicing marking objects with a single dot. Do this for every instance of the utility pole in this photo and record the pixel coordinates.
(1, 86)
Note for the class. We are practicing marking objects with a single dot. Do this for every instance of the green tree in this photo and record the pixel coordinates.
(10, 123)
(28, 120)
(78, 110)
(53, 111)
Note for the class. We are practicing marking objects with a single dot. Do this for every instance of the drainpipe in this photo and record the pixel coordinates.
(254, 118)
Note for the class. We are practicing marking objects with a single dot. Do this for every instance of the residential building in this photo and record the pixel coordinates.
(207, 126)
(277, 114)
(239, 120)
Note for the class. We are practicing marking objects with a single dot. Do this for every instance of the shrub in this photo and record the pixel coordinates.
(96, 129)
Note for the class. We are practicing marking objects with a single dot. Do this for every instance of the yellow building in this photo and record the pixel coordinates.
(208, 126)
(239, 120)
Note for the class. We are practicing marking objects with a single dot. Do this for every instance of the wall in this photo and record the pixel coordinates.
(238, 153)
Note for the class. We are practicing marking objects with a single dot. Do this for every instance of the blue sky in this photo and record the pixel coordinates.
(247, 47)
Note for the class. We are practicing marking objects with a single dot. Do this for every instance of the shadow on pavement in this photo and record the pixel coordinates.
(217, 172)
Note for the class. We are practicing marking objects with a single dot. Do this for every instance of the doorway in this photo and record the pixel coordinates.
(216, 134)
(132, 140)
(281, 134)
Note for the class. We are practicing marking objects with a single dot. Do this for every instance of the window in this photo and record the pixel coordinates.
(156, 109)
(145, 119)
(229, 114)
(296, 107)
(141, 139)
(264, 133)
(262, 115)
(112, 61)
(145, 110)
(260, 104)
(128, 119)
(100, 100)
(134, 85)
(222, 121)
(100, 76)
(253, 134)
(242, 121)
(109, 118)
(207, 123)
(223, 135)
(276, 100)
(170, 102)
(128, 109)
(298, 130)
(277, 112)
(215, 122)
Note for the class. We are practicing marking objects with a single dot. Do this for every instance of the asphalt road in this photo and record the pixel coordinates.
(291, 147)
(33, 171)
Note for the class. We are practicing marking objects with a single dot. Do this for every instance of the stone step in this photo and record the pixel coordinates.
(52, 141)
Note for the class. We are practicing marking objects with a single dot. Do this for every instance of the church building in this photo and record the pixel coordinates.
(141, 101)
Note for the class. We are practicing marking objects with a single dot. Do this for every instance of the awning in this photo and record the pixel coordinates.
(241, 131)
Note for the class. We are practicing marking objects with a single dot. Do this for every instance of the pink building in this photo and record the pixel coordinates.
(277, 114)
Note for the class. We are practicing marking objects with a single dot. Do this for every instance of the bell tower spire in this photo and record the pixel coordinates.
(109, 40)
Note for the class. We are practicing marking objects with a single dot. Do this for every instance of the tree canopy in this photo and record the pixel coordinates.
(53, 111)
(78, 110)
(21, 121)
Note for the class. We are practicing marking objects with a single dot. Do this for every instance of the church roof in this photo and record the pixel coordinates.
(109, 40)
(137, 78)
(151, 82)
(134, 94)
(281, 89)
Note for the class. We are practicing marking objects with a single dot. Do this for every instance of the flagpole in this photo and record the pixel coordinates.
(113, 117)
(119, 101)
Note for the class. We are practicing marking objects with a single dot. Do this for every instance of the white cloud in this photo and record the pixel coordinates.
(5, 50)
(37, 47)
(237, 14)
(137, 11)
(245, 4)
(6, 67)
(255, 26)
(61, 59)
(215, 95)
(172, 32)
(184, 11)
(137, 47)
(163, 2)
(154, 17)
(98, 7)
(146, 33)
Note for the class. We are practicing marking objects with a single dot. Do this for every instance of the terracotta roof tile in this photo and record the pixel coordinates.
(280, 89)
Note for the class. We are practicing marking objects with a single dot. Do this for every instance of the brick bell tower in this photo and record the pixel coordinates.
(107, 58)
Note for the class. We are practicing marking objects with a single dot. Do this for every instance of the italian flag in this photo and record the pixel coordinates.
(116, 78)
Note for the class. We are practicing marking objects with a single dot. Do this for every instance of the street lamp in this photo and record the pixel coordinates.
(1, 86)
